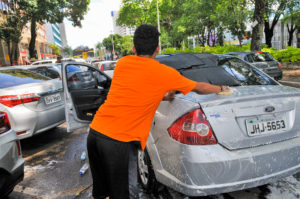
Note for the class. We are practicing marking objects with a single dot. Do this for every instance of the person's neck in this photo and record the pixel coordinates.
(147, 56)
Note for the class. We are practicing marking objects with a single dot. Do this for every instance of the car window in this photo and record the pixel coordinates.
(84, 77)
(244, 73)
(266, 56)
(15, 77)
(45, 71)
(73, 68)
(109, 66)
(255, 58)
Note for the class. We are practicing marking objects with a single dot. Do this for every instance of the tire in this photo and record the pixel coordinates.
(146, 174)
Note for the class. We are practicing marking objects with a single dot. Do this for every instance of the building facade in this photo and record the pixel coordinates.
(121, 30)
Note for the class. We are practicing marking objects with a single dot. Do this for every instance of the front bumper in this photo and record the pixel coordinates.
(208, 170)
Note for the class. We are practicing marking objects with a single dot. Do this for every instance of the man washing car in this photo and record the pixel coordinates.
(122, 123)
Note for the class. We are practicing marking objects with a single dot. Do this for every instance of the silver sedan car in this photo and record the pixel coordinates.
(209, 144)
(11, 161)
(33, 103)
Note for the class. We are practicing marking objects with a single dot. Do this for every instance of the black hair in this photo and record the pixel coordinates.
(146, 39)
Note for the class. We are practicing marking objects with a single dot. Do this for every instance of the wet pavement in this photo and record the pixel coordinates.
(52, 164)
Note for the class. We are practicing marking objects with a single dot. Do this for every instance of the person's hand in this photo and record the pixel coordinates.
(225, 89)
(169, 96)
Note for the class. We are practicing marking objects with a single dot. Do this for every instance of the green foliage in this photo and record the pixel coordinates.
(55, 49)
(126, 45)
(115, 39)
(290, 54)
(68, 51)
(137, 12)
(11, 28)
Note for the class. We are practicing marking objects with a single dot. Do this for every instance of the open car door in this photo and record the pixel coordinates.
(85, 90)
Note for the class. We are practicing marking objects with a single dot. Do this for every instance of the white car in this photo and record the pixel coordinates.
(48, 61)
(33, 102)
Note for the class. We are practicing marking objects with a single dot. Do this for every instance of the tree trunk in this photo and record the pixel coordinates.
(291, 32)
(10, 54)
(268, 33)
(257, 32)
(33, 39)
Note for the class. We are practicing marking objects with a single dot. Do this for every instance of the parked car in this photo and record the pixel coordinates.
(208, 144)
(105, 65)
(263, 61)
(47, 61)
(33, 103)
(11, 161)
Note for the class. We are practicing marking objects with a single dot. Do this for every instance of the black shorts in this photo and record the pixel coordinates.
(110, 161)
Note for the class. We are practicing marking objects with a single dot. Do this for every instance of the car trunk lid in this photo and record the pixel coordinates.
(48, 94)
(244, 119)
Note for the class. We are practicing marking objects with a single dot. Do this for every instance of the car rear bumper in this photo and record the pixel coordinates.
(276, 74)
(212, 170)
(31, 122)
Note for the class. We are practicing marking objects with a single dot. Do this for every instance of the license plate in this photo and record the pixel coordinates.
(52, 98)
(265, 125)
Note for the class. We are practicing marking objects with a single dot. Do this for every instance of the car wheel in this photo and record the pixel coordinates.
(145, 172)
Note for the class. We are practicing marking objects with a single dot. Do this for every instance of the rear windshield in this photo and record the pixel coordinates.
(46, 71)
(16, 77)
(266, 56)
(260, 57)
(230, 72)
(109, 66)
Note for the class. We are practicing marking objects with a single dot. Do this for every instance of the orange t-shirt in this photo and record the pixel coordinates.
(138, 86)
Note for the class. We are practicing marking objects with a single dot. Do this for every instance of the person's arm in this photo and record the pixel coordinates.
(205, 88)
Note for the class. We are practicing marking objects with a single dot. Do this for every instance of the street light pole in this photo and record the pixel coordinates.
(158, 25)
(112, 41)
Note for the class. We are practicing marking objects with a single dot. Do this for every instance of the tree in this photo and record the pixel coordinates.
(292, 19)
(258, 20)
(115, 39)
(11, 30)
(53, 11)
(233, 14)
(55, 49)
(126, 45)
(136, 12)
(274, 10)
(68, 51)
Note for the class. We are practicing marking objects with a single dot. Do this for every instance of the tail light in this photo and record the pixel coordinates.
(19, 147)
(101, 67)
(193, 129)
(259, 52)
(4, 123)
(279, 65)
(14, 100)
(73, 78)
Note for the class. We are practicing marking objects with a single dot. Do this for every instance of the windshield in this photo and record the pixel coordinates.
(16, 77)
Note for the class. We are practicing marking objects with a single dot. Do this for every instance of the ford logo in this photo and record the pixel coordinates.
(270, 109)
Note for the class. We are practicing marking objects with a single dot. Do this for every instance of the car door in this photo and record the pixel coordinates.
(85, 90)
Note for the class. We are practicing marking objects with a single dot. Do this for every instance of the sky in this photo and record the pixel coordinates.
(97, 24)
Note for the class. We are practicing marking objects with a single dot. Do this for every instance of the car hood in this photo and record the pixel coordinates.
(228, 114)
